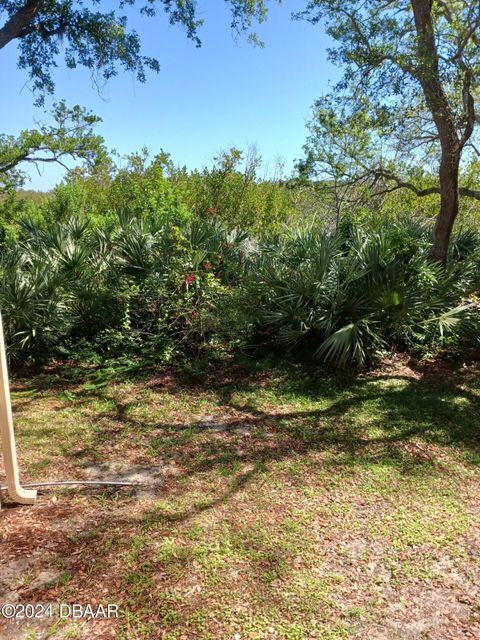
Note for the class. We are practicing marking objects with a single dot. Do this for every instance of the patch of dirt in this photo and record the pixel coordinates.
(147, 480)
(435, 614)
(210, 423)
(43, 545)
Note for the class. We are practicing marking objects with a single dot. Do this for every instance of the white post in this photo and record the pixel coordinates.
(15, 490)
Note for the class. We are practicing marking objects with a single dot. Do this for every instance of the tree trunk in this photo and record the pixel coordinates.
(428, 74)
(449, 199)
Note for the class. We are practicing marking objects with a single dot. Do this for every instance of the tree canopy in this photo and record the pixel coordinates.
(405, 107)
(70, 135)
(97, 38)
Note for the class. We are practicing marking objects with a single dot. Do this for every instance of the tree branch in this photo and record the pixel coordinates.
(470, 193)
(468, 104)
(421, 193)
(19, 23)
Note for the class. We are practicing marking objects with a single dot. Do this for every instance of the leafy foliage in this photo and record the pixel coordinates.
(96, 37)
(116, 265)
(234, 191)
(71, 135)
(133, 287)
(347, 296)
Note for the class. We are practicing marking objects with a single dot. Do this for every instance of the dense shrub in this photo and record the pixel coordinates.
(148, 286)
(347, 296)
(148, 260)
(236, 191)
(140, 287)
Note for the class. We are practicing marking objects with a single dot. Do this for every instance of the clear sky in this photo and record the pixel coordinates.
(203, 100)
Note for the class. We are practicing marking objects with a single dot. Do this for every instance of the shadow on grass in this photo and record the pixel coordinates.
(265, 420)
(390, 419)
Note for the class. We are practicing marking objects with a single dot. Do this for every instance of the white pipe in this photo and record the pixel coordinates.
(59, 483)
(16, 492)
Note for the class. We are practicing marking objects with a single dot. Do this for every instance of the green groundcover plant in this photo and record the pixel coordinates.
(153, 286)
(347, 296)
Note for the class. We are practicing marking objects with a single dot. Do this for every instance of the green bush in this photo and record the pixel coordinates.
(144, 287)
(151, 261)
(347, 296)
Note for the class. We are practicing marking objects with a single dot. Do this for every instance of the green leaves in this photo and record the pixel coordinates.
(70, 136)
(150, 287)
(353, 343)
(100, 39)
(129, 289)
(346, 298)
(451, 319)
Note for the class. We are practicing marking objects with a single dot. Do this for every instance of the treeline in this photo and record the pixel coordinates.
(237, 190)
(149, 261)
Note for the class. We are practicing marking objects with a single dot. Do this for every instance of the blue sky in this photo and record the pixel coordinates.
(203, 100)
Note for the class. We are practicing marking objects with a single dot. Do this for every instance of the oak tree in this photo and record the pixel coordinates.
(70, 135)
(405, 108)
(96, 37)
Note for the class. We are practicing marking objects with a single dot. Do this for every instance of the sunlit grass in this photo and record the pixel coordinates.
(305, 514)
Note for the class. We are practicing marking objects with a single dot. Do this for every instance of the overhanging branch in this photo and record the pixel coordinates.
(19, 22)
(399, 183)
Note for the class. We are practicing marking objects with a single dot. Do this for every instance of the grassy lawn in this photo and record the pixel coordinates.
(278, 504)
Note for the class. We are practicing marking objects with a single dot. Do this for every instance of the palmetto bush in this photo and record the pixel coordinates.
(34, 306)
(51, 281)
(135, 285)
(146, 285)
(350, 295)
